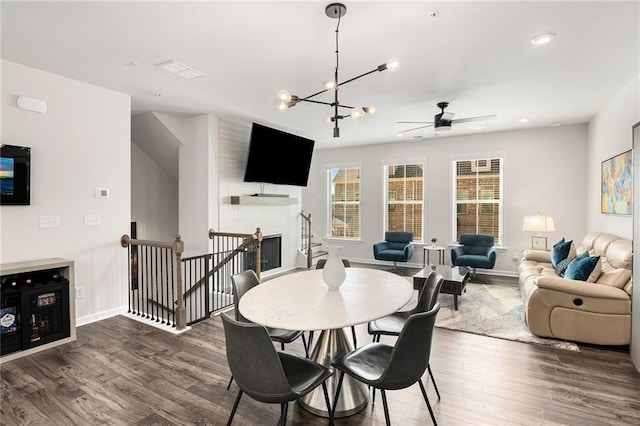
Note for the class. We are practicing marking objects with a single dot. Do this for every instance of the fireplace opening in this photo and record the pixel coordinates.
(270, 253)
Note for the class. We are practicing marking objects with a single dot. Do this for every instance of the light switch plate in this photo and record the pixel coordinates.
(49, 221)
(92, 220)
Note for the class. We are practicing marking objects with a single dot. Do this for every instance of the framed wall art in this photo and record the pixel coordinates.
(617, 184)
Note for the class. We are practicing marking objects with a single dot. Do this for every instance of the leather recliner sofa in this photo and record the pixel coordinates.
(590, 312)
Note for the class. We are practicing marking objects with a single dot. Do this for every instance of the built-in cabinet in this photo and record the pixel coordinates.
(37, 306)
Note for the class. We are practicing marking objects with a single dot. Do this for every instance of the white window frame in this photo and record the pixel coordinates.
(501, 242)
(328, 200)
(385, 198)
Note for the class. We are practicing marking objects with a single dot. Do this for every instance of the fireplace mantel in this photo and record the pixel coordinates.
(267, 201)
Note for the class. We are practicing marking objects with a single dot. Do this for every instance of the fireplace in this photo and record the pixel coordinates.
(270, 253)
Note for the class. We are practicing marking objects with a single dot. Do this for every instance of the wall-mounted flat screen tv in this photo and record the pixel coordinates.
(278, 157)
(15, 175)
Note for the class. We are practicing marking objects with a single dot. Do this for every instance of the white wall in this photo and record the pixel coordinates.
(198, 183)
(154, 198)
(285, 220)
(545, 171)
(80, 144)
(609, 135)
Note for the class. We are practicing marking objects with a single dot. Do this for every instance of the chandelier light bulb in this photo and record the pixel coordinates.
(370, 110)
(393, 64)
(283, 96)
(329, 84)
(330, 120)
(357, 113)
(282, 106)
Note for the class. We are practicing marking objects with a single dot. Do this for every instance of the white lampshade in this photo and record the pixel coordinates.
(538, 223)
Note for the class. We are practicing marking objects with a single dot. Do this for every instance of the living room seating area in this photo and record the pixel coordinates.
(596, 308)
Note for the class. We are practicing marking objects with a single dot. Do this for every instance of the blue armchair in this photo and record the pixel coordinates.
(475, 251)
(396, 247)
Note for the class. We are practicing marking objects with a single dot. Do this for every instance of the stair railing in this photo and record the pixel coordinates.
(305, 225)
(156, 289)
(178, 292)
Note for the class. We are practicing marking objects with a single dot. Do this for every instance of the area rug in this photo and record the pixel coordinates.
(492, 310)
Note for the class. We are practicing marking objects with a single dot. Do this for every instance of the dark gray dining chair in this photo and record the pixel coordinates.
(242, 283)
(268, 375)
(319, 265)
(395, 367)
(391, 325)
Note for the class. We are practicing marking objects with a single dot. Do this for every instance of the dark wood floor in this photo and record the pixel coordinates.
(122, 372)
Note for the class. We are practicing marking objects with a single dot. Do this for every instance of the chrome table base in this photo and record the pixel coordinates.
(353, 395)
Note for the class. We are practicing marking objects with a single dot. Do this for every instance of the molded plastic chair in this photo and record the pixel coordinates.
(391, 325)
(396, 247)
(242, 283)
(265, 374)
(396, 367)
(319, 265)
(475, 251)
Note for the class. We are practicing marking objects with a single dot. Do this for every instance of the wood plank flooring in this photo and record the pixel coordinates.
(122, 372)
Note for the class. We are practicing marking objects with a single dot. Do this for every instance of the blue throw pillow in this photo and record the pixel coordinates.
(581, 267)
(560, 251)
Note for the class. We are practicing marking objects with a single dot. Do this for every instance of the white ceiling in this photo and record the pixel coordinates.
(476, 55)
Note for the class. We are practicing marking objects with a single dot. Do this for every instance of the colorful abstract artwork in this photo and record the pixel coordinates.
(617, 184)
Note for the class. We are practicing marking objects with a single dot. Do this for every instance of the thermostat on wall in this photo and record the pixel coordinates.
(102, 192)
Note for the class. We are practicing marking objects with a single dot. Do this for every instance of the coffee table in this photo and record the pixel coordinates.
(455, 279)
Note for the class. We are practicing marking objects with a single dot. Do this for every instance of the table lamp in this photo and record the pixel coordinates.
(538, 224)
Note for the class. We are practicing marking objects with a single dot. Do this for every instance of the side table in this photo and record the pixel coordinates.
(427, 251)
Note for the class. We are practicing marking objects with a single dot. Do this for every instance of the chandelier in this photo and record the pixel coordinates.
(286, 100)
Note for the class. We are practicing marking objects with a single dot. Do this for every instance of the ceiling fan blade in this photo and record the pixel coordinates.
(470, 119)
(416, 128)
(414, 122)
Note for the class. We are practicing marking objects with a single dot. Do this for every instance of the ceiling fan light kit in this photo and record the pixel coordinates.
(443, 122)
(286, 100)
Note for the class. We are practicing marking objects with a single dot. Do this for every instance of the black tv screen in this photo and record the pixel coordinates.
(15, 175)
(278, 157)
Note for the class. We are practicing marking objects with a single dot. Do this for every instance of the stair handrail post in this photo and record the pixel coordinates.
(181, 315)
(308, 236)
(258, 237)
(310, 250)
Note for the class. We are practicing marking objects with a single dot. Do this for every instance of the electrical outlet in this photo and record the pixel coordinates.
(79, 292)
(92, 220)
(49, 221)
(515, 258)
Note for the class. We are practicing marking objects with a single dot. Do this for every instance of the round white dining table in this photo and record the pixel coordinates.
(302, 301)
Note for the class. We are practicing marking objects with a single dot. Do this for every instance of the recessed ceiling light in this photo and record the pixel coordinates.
(434, 14)
(543, 38)
(180, 69)
(133, 64)
(524, 120)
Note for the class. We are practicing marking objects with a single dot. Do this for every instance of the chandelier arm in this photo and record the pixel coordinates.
(331, 104)
(355, 78)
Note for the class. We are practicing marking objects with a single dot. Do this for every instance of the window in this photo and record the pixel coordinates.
(404, 195)
(478, 197)
(343, 202)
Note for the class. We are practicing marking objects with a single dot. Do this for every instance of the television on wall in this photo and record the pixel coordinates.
(15, 175)
(278, 157)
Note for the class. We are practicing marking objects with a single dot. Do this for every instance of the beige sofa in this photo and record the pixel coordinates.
(590, 312)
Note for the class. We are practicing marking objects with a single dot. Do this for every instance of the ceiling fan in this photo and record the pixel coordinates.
(443, 121)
